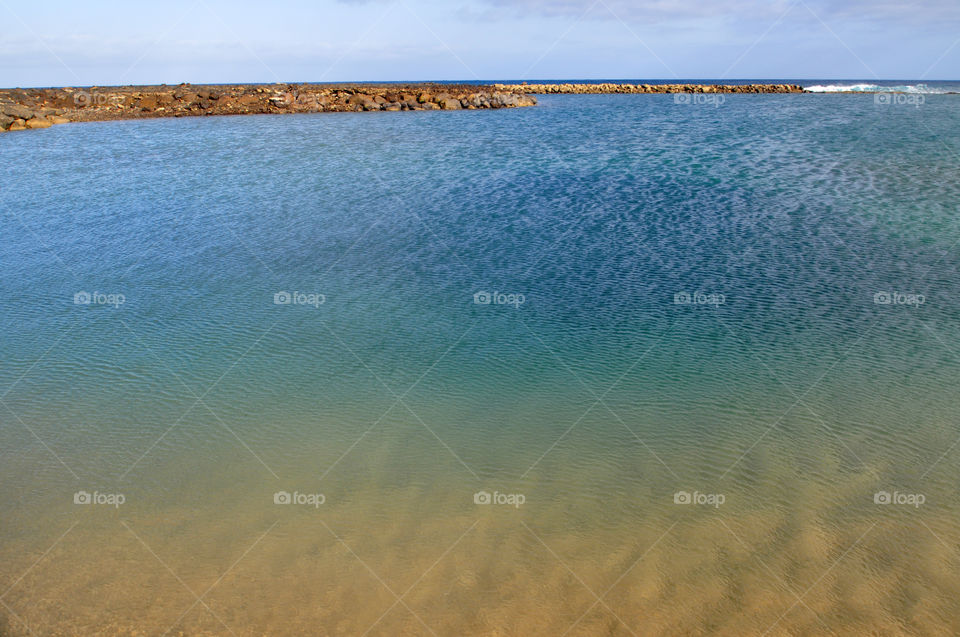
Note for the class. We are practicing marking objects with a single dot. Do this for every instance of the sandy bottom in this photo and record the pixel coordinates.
(422, 559)
(701, 578)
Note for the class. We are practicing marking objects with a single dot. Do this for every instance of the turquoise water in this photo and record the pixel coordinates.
(788, 386)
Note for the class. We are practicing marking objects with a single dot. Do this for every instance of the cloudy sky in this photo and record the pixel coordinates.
(61, 42)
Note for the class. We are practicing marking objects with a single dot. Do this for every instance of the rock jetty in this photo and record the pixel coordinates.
(22, 109)
(544, 89)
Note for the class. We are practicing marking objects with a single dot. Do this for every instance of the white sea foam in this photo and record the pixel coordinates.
(872, 88)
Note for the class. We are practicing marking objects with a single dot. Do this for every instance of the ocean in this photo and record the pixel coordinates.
(611, 365)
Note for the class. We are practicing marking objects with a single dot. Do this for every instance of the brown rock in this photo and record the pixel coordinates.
(5, 121)
(365, 102)
(450, 104)
(56, 119)
(424, 98)
(17, 124)
(39, 122)
(16, 110)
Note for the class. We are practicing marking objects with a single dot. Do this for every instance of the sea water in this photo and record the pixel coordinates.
(610, 365)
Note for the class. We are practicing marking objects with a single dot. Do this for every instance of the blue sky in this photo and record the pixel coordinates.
(57, 43)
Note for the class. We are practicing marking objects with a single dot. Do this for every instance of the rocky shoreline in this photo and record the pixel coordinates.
(544, 89)
(22, 109)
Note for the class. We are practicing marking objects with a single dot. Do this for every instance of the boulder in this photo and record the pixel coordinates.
(18, 124)
(148, 102)
(510, 99)
(365, 102)
(424, 98)
(16, 110)
(39, 122)
(450, 104)
(56, 119)
(5, 121)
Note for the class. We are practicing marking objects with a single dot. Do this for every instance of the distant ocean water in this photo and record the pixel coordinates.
(697, 361)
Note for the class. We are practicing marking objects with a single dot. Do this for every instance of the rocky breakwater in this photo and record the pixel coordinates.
(22, 109)
(544, 89)
(15, 116)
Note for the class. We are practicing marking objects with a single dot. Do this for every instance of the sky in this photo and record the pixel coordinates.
(66, 43)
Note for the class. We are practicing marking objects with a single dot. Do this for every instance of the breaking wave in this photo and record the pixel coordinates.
(873, 88)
